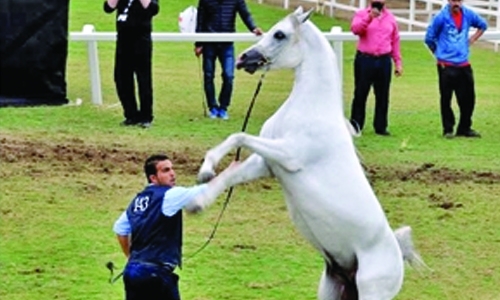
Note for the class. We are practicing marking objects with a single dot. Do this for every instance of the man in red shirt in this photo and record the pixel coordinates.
(448, 38)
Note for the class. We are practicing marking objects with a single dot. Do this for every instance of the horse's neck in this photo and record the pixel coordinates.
(317, 73)
(317, 78)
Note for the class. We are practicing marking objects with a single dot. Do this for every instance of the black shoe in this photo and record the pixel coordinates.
(469, 133)
(448, 135)
(128, 122)
(384, 133)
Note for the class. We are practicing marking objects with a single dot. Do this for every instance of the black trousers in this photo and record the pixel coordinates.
(144, 281)
(133, 59)
(461, 81)
(371, 71)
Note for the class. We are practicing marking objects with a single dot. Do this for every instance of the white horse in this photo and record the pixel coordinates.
(307, 146)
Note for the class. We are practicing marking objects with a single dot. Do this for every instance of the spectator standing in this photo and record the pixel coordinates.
(133, 57)
(448, 38)
(219, 16)
(149, 232)
(378, 43)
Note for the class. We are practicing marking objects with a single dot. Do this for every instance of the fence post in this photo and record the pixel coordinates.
(429, 7)
(338, 48)
(285, 4)
(93, 61)
(412, 15)
(497, 24)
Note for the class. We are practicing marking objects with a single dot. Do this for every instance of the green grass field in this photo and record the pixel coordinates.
(66, 173)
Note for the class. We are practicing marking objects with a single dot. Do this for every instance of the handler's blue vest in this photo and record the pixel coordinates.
(156, 238)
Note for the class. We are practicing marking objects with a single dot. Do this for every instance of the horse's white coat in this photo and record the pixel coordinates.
(307, 146)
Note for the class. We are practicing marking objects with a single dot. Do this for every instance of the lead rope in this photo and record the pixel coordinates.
(237, 158)
(111, 267)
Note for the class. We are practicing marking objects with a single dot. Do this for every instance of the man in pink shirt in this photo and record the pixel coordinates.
(378, 43)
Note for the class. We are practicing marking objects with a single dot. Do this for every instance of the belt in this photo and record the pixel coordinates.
(364, 54)
(448, 65)
(168, 266)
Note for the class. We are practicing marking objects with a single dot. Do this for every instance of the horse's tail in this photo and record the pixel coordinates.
(410, 255)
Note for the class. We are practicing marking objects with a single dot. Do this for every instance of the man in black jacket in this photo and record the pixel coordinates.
(219, 16)
(133, 56)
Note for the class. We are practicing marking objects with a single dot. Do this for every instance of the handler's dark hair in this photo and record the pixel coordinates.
(150, 164)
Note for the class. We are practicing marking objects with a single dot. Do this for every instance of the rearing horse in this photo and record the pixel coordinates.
(308, 147)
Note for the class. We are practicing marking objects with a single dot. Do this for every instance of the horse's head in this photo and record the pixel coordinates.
(279, 48)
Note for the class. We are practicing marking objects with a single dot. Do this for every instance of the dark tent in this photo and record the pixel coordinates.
(33, 52)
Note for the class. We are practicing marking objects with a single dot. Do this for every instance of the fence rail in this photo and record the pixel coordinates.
(336, 37)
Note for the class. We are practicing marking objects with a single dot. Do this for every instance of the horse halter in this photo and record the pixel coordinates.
(252, 60)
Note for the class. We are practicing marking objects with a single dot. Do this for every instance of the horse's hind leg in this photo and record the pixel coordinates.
(252, 168)
(380, 274)
(270, 149)
(330, 288)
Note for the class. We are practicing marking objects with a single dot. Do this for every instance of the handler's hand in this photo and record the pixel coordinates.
(198, 51)
(234, 164)
(472, 40)
(193, 209)
(257, 31)
(399, 71)
(374, 12)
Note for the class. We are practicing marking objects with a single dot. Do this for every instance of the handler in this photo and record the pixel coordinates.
(149, 232)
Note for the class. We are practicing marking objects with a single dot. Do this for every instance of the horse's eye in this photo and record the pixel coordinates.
(279, 35)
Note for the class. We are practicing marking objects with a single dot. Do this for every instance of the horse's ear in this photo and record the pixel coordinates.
(298, 11)
(304, 16)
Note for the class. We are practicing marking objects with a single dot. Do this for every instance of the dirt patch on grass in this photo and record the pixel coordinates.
(430, 174)
(76, 156)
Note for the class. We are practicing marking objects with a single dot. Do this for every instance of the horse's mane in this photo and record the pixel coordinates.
(317, 36)
(311, 34)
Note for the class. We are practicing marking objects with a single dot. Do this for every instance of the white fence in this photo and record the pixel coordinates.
(335, 36)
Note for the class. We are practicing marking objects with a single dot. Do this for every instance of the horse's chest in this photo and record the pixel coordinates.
(304, 223)
(281, 125)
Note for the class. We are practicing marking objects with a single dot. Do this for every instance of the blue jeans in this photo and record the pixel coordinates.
(224, 52)
(150, 282)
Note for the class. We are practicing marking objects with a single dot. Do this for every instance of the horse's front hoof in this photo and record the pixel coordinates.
(206, 176)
